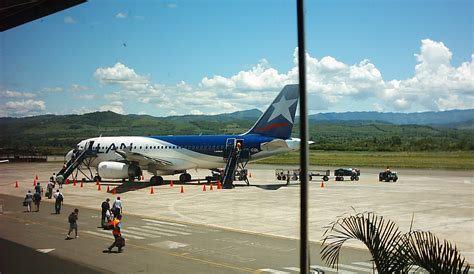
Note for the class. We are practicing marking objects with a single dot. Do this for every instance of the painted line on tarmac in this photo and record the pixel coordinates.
(164, 223)
(173, 232)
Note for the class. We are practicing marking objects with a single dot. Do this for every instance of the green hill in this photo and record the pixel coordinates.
(55, 134)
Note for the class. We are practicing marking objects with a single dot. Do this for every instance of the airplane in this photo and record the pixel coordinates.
(126, 157)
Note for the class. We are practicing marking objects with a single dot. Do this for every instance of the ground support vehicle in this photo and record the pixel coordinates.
(388, 176)
(319, 173)
(283, 174)
(353, 173)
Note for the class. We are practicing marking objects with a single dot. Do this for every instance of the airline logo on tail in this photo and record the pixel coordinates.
(278, 119)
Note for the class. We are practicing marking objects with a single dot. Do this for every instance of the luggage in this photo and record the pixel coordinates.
(120, 242)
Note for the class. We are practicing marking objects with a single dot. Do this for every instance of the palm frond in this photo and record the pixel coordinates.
(425, 250)
(382, 238)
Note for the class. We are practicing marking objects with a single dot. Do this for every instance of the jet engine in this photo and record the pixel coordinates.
(117, 170)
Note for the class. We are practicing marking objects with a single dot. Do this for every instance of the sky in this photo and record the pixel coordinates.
(164, 58)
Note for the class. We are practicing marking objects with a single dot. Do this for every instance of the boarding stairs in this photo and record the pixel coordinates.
(78, 160)
(236, 161)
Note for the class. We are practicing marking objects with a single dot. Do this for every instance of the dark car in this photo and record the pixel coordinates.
(388, 176)
(353, 173)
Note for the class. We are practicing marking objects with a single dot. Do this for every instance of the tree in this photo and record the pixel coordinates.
(391, 250)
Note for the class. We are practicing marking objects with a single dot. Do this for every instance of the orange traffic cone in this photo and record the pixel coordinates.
(142, 178)
(74, 183)
(82, 183)
(211, 187)
(108, 189)
(98, 187)
(152, 191)
(97, 182)
(219, 186)
(67, 181)
(36, 177)
(204, 187)
(182, 189)
(34, 182)
(322, 183)
(16, 184)
(171, 183)
(114, 191)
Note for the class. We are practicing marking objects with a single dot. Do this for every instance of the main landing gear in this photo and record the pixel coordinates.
(185, 177)
(156, 180)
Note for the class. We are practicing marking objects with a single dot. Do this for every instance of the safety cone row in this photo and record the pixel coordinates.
(82, 183)
(98, 187)
(211, 188)
(171, 183)
(152, 191)
(108, 189)
(67, 181)
(322, 183)
(182, 189)
(142, 178)
(36, 178)
(97, 182)
(204, 187)
(16, 184)
(219, 186)
(74, 182)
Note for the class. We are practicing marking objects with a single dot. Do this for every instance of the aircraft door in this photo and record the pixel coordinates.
(229, 147)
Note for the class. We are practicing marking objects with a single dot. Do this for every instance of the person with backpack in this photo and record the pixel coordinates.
(38, 188)
(37, 200)
(119, 241)
(59, 201)
(72, 219)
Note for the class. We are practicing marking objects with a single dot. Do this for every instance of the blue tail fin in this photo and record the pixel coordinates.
(277, 121)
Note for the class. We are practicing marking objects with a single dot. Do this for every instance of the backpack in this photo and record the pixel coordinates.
(60, 198)
(71, 218)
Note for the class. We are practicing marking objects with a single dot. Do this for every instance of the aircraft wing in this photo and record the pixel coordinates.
(273, 145)
(142, 159)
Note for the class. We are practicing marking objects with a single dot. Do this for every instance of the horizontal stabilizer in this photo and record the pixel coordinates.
(273, 145)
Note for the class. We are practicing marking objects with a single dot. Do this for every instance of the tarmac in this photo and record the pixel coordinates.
(436, 200)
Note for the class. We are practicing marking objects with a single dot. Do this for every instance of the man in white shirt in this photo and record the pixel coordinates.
(59, 201)
(117, 207)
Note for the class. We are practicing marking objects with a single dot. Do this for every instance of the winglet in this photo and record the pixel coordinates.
(277, 121)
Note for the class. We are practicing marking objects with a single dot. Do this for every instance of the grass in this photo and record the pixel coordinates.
(456, 160)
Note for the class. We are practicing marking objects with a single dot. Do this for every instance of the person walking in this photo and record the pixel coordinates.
(38, 188)
(105, 208)
(73, 223)
(37, 200)
(119, 241)
(59, 197)
(117, 207)
(49, 189)
(28, 200)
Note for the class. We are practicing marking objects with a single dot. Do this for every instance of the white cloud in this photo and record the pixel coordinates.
(86, 96)
(122, 75)
(23, 108)
(76, 88)
(16, 94)
(52, 89)
(69, 20)
(435, 85)
(121, 15)
(115, 106)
